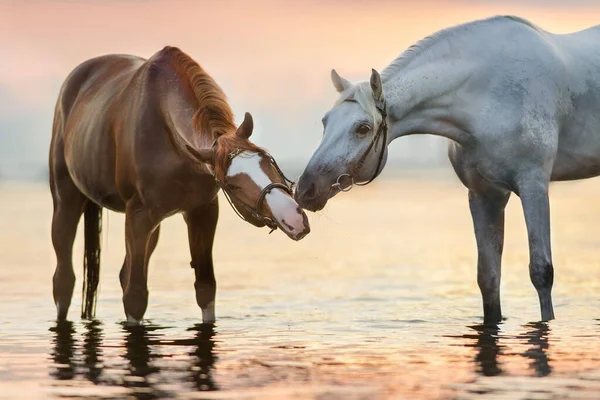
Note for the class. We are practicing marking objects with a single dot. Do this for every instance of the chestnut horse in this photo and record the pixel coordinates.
(152, 138)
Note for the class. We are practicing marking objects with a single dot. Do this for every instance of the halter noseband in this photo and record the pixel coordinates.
(255, 212)
(381, 132)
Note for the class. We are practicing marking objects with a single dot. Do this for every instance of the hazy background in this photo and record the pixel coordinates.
(272, 58)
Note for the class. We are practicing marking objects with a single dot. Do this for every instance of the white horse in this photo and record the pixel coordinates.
(521, 106)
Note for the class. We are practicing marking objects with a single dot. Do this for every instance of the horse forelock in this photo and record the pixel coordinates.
(363, 95)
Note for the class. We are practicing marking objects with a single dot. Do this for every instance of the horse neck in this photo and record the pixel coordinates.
(179, 113)
(180, 110)
(420, 96)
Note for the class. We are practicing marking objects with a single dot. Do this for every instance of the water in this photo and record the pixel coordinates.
(379, 301)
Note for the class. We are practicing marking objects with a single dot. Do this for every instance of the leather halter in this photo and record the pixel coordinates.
(256, 211)
(381, 133)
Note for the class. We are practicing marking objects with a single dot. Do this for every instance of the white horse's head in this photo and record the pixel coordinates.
(349, 129)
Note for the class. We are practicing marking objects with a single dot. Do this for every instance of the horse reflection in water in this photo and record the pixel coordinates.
(488, 342)
(537, 336)
(142, 355)
(141, 339)
(488, 349)
(64, 350)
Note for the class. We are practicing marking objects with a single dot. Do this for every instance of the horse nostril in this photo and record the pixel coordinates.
(291, 228)
(311, 192)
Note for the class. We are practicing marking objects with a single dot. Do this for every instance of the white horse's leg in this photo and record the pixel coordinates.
(487, 210)
(534, 198)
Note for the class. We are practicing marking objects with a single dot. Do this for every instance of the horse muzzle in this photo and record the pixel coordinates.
(309, 196)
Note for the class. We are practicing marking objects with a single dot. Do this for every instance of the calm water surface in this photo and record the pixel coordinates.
(379, 301)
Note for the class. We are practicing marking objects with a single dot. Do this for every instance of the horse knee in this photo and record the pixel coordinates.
(541, 274)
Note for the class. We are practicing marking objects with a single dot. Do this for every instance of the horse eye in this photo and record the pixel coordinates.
(363, 129)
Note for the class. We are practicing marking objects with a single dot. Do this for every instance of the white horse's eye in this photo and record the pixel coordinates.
(363, 129)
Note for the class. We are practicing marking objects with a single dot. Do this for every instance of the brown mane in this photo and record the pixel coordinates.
(214, 115)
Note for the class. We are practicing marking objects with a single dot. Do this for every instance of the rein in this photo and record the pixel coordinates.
(381, 132)
(256, 211)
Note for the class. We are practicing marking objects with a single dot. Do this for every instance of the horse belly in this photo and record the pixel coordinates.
(579, 161)
(578, 153)
(100, 191)
(91, 164)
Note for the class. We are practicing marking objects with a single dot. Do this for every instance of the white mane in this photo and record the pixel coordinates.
(428, 42)
(362, 93)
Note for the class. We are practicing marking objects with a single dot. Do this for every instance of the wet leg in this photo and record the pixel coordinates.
(68, 207)
(140, 228)
(202, 224)
(487, 210)
(536, 207)
(151, 246)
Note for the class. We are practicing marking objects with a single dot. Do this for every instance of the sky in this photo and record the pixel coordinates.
(272, 58)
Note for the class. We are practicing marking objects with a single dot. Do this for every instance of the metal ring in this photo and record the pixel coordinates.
(270, 224)
(338, 185)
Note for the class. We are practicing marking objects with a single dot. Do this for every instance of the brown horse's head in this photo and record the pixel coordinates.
(246, 173)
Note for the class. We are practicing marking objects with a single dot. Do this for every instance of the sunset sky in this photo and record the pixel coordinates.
(272, 58)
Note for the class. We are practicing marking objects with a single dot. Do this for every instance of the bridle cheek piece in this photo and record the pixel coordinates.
(256, 211)
(381, 133)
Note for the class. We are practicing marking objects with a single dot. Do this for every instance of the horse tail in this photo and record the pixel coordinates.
(91, 258)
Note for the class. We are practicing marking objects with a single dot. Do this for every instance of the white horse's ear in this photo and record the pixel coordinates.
(245, 129)
(376, 85)
(203, 155)
(340, 83)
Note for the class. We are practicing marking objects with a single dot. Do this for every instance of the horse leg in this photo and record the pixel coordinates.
(151, 246)
(202, 224)
(140, 228)
(68, 207)
(536, 207)
(487, 211)
(122, 275)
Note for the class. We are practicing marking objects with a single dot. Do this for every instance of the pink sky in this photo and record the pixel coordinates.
(271, 57)
(255, 48)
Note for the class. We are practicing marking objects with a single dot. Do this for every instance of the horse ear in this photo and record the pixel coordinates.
(340, 83)
(376, 85)
(246, 127)
(203, 155)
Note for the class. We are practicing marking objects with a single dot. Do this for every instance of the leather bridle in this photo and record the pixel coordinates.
(256, 211)
(381, 133)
